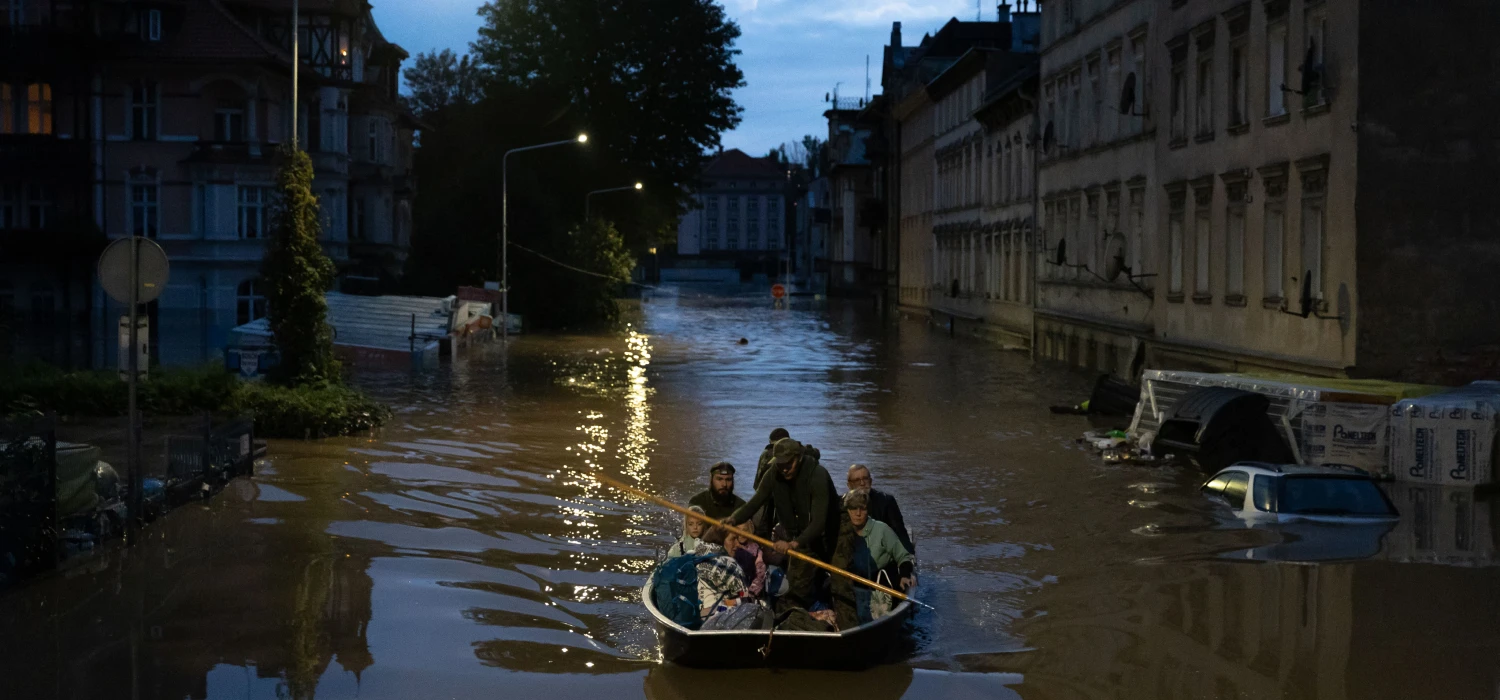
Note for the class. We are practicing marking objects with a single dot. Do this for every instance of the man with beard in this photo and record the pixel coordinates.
(806, 510)
(719, 501)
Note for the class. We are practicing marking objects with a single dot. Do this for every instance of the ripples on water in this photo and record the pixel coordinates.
(465, 551)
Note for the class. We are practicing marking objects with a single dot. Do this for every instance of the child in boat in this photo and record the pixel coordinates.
(747, 555)
(692, 529)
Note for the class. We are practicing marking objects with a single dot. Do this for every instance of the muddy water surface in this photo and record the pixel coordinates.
(462, 552)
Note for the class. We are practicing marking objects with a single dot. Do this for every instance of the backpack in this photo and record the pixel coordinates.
(675, 589)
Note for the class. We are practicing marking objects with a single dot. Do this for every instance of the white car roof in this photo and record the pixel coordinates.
(1269, 469)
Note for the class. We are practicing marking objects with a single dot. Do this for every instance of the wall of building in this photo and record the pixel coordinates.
(1097, 178)
(1277, 167)
(1428, 248)
(916, 120)
(1008, 183)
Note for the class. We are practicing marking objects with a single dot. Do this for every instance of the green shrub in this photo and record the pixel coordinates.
(307, 411)
(282, 412)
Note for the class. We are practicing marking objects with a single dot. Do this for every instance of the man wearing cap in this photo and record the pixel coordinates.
(806, 507)
(719, 500)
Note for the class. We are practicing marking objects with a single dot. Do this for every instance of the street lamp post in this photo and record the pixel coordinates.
(504, 262)
(586, 198)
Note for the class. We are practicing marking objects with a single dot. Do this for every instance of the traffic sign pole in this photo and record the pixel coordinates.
(137, 480)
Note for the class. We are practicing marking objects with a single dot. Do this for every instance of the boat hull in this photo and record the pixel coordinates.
(861, 647)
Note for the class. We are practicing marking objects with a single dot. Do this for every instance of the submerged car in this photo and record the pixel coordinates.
(1261, 492)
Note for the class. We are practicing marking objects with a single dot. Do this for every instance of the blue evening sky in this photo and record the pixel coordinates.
(793, 51)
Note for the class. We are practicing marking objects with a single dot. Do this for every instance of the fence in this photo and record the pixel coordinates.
(216, 455)
(28, 497)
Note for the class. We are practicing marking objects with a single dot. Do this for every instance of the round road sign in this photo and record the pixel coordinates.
(114, 270)
(778, 291)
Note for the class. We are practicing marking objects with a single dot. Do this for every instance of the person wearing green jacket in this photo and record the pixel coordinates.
(806, 508)
(868, 548)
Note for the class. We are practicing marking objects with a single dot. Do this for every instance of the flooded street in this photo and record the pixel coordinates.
(462, 552)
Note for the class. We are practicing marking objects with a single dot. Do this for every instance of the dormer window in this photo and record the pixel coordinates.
(151, 25)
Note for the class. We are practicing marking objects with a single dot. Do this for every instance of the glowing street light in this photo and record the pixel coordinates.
(504, 261)
(586, 198)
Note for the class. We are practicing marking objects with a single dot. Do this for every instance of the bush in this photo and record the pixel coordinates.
(282, 412)
(307, 411)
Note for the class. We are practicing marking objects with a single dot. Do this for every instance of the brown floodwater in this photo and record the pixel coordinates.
(463, 552)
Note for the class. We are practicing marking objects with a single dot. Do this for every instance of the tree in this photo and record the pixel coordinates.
(298, 274)
(812, 149)
(651, 81)
(441, 80)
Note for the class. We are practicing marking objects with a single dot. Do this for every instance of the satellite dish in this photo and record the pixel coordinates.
(1114, 251)
(1049, 137)
(1062, 252)
(1307, 298)
(1127, 95)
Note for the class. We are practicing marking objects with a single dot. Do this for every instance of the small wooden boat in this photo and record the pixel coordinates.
(872, 643)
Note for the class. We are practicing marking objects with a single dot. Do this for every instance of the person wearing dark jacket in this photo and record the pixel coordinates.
(806, 508)
(719, 500)
(882, 505)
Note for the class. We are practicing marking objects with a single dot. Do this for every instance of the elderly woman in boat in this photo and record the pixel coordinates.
(876, 553)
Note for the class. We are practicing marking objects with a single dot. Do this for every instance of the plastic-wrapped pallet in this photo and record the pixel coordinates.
(1447, 438)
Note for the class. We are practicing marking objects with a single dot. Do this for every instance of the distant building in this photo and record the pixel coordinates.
(161, 120)
(740, 215)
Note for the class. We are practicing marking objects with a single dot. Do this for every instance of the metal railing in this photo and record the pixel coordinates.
(28, 497)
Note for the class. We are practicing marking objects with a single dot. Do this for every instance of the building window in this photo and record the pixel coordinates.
(253, 201)
(1314, 184)
(752, 222)
(10, 206)
(151, 25)
(711, 240)
(1238, 84)
(144, 214)
(1203, 234)
(1138, 63)
(360, 234)
(41, 201)
(229, 125)
(1234, 242)
(143, 97)
(1312, 60)
(1276, 69)
(1137, 228)
(773, 222)
(1111, 95)
(733, 233)
(1275, 234)
(39, 108)
(43, 304)
(1177, 202)
(8, 111)
(205, 211)
(1075, 132)
(1096, 98)
(1204, 98)
(250, 302)
(1178, 133)
(17, 12)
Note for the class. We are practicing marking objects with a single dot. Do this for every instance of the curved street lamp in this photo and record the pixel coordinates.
(586, 203)
(504, 262)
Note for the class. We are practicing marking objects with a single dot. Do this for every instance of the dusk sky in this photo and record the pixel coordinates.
(793, 51)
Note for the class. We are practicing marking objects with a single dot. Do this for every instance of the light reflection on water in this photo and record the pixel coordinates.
(460, 551)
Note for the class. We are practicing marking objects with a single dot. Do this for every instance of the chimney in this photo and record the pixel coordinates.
(895, 35)
(1004, 12)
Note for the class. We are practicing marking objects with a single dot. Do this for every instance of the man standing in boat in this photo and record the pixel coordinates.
(806, 508)
(718, 501)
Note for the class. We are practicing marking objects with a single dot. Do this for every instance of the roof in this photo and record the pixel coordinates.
(956, 38)
(1298, 469)
(208, 31)
(383, 322)
(736, 163)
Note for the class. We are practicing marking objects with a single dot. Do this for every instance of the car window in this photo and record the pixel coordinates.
(1332, 495)
(1215, 486)
(1265, 493)
(1235, 486)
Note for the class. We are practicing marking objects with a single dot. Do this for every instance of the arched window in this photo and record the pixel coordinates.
(250, 302)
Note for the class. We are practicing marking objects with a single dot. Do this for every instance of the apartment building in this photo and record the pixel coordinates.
(1007, 248)
(166, 117)
(740, 214)
(1260, 185)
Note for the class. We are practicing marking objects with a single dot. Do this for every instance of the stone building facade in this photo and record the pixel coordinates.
(176, 116)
